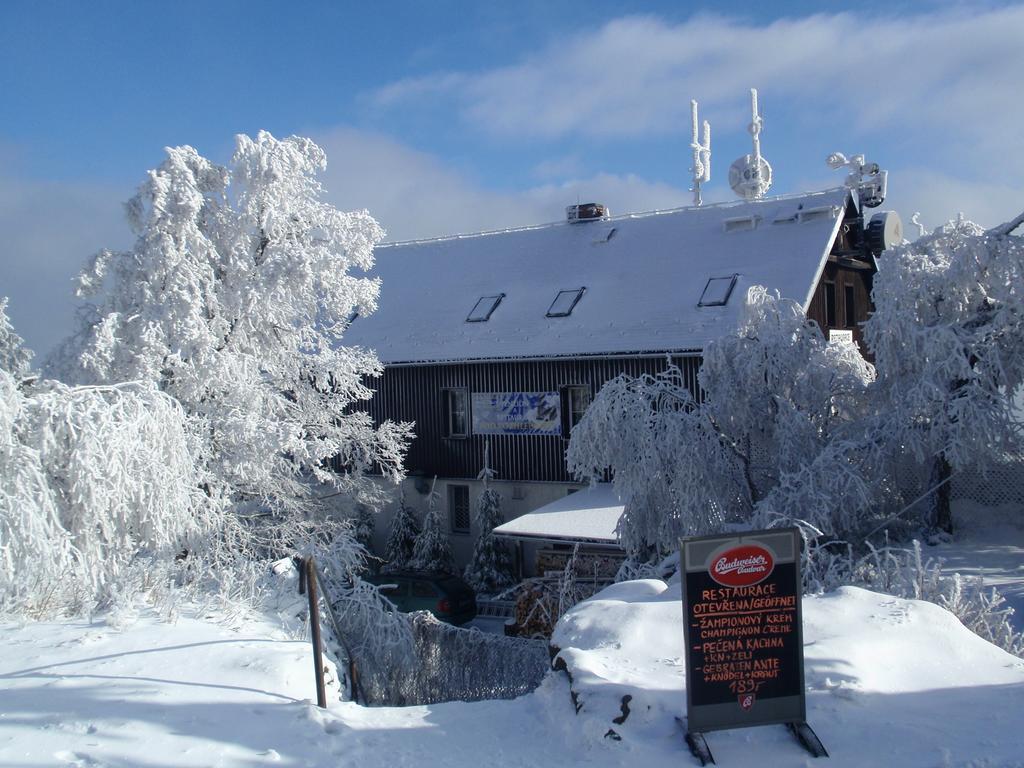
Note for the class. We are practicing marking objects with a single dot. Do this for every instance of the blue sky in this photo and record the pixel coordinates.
(445, 116)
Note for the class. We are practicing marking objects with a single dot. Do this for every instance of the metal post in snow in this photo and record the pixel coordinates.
(314, 626)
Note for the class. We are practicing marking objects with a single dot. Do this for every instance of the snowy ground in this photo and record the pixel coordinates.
(891, 682)
(989, 543)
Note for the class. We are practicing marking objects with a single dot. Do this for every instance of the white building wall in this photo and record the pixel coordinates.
(517, 498)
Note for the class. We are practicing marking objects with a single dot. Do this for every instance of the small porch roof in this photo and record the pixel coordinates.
(588, 516)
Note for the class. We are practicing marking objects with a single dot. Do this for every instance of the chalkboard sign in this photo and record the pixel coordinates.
(742, 628)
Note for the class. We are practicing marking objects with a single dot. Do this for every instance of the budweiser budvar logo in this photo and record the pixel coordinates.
(742, 566)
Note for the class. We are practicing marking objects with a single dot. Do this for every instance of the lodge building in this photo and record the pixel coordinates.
(505, 337)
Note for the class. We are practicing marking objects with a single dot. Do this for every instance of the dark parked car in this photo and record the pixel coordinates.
(449, 598)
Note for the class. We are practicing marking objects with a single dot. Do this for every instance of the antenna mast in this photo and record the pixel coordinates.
(750, 176)
(755, 127)
(701, 154)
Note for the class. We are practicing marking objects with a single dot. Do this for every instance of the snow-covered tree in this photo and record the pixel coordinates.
(15, 358)
(490, 568)
(364, 524)
(794, 429)
(433, 551)
(948, 339)
(401, 536)
(776, 395)
(233, 300)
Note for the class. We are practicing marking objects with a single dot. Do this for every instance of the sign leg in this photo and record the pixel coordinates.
(808, 739)
(698, 746)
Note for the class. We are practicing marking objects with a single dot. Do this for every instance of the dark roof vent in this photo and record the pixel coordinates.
(586, 212)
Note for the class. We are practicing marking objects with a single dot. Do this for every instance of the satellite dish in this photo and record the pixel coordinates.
(884, 231)
(750, 178)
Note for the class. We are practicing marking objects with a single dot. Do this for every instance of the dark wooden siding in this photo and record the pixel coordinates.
(415, 393)
(860, 280)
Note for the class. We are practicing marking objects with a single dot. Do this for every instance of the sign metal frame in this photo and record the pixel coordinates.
(743, 630)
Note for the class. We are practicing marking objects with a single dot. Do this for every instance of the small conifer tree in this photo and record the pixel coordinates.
(490, 568)
(433, 551)
(364, 525)
(401, 537)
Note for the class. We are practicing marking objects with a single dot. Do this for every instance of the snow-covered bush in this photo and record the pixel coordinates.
(233, 300)
(906, 572)
(91, 479)
(433, 551)
(568, 587)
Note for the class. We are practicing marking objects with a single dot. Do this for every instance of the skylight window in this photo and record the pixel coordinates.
(483, 308)
(564, 302)
(717, 291)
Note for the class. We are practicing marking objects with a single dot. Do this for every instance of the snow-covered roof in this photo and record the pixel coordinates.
(643, 275)
(589, 515)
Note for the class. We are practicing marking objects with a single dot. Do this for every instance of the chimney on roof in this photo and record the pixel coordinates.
(586, 212)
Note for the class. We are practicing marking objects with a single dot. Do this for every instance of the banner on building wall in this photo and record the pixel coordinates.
(517, 413)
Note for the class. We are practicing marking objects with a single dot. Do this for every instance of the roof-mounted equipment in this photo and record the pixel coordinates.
(701, 154)
(586, 212)
(750, 176)
(867, 179)
(885, 231)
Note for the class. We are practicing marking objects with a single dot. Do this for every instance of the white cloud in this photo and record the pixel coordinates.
(558, 167)
(415, 195)
(950, 76)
